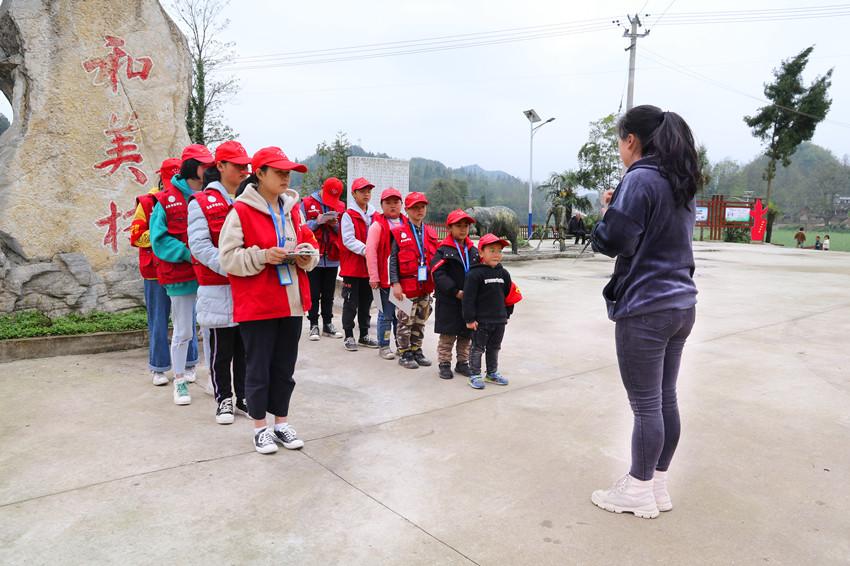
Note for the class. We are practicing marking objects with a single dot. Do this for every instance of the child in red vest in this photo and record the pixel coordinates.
(321, 211)
(169, 241)
(378, 248)
(453, 260)
(207, 211)
(413, 247)
(157, 303)
(356, 291)
(267, 250)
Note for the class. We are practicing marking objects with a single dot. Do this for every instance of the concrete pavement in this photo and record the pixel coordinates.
(98, 466)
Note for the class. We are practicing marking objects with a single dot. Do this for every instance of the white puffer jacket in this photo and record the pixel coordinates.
(215, 302)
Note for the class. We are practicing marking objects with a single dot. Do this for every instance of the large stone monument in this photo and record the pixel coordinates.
(99, 91)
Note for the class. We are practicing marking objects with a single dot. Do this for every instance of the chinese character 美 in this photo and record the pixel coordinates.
(110, 222)
(123, 150)
(108, 66)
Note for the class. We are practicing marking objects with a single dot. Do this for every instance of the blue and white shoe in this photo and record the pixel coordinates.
(496, 378)
(476, 382)
(181, 392)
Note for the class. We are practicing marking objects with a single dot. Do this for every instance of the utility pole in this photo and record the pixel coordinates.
(633, 35)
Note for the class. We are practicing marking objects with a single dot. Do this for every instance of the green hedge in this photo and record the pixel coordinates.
(28, 324)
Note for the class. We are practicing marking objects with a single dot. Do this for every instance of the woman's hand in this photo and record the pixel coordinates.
(275, 255)
(606, 198)
(459, 295)
(397, 292)
(472, 325)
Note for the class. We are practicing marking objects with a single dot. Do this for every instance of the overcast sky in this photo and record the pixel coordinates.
(465, 106)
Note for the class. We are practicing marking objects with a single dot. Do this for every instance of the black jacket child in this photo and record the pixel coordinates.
(484, 295)
(449, 278)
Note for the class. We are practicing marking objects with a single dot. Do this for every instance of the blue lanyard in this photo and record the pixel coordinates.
(420, 245)
(462, 253)
(280, 231)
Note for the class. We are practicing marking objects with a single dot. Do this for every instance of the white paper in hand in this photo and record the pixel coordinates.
(405, 305)
(376, 297)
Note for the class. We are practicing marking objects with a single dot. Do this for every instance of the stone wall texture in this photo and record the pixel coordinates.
(99, 92)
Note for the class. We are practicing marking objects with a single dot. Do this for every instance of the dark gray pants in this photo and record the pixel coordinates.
(649, 350)
(486, 340)
(271, 350)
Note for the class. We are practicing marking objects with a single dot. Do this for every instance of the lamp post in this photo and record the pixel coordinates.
(533, 118)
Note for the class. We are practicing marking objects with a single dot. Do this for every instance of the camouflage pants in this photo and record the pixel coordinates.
(411, 328)
(444, 348)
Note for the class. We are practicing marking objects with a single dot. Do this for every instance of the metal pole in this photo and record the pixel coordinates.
(632, 48)
(530, 175)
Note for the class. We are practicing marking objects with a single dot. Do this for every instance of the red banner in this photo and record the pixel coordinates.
(759, 214)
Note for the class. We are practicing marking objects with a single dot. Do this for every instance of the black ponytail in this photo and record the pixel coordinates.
(251, 179)
(211, 175)
(666, 137)
(189, 169)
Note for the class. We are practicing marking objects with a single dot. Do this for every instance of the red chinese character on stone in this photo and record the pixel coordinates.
(110, 222)
(123, 150)
(108, 66)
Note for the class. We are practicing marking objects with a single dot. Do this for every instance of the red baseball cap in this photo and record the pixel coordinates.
(514, 295)
(275, 158)
(488, 239)
(361, 183)
(170, 165)
(332, 187)
(458, 215)
(414, 198)
(198, 152)
(390, 193)
(233, 152)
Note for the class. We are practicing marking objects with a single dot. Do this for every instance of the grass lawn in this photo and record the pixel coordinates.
(30, 323)
(839, 241)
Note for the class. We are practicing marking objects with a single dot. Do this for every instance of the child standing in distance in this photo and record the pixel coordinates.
(413, 246)
(826, 243)
(818, 243)
(378, 248)
(356, 291)
(486, 309)
(454, 258)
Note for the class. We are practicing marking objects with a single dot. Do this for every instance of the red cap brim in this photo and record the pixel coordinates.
(288, 166)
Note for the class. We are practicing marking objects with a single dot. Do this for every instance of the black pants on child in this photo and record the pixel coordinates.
(226, 349)
(322, 289)
(357, 300)
(271, 349)
(487, 339)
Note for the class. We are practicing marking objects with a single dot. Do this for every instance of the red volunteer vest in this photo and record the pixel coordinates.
(261, 296)
(329, 241)
(384, 249)
(350, 263)
(409, 259)
(147, 261)
(215, 208)
(177, 219)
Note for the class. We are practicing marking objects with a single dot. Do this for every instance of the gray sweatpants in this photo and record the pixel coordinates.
(182, 308)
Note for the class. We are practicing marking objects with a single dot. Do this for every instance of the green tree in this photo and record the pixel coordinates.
(4, 123)
(561, 191)
(599, 158)
(791, 117)
(445, 195)
(202, 23)
(332, 162)
(704, 168)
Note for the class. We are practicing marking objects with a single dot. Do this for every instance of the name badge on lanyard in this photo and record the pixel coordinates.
(284, 275)
(422, 273)
(463, 254)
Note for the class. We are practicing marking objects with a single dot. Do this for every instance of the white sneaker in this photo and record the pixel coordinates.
(386, 353)
(159, 378)
(189, 375)
(628, 495)
(264, 442)
(659, 489)
(181, 392)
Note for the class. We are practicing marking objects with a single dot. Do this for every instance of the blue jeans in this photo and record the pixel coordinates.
(649, 351)
(158, 306)
(386, 319)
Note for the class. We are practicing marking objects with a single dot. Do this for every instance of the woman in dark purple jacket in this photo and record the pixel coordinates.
(648, 227)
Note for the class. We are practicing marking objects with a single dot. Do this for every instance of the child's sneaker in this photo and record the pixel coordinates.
(420, 358)
(242, 406)
(287, 437)
(406, 361)
(159, 378)
(189, 375)
(445, 370)
(368, 342)
(476, 382)
(331, 331)
(350, 344)
(496, 378)
(659, 489)
(264, 442)
(463, 369)
(314, 334)
(181, 392)
(628, 495)
(224, 412)
(386, 353)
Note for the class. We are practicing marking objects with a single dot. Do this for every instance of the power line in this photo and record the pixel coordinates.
(663, 13)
